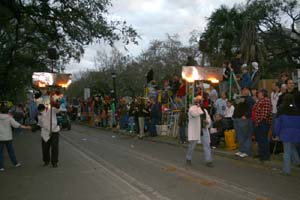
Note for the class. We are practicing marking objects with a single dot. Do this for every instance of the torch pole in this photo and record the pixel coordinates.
(50, 112)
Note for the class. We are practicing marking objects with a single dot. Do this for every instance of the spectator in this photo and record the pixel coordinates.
(254, 94)
(213, 94)
(262, 120)
(220, 104)
(132, 114)
(123, 114)
(291, 87)
(255, 75)
(245, 79)
(243, 124)
(155, 117)
(283, 78)
(217, 131)
(182, 123)
(287, 128)
(142, 112)
(283, 90)
(274, 100)
(229, 110)
(182, 89)
(237, 63)
(6, 136)
(175, 86)
(226, 76)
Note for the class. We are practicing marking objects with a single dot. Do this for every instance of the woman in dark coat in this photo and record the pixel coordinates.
(287, 129)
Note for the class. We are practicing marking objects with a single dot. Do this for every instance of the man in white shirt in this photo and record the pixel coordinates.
(49, 134)
(220, 104)
(274, 100)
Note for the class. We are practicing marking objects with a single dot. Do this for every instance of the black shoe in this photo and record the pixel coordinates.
(46, 164)
(210, 164)
(189, 162)
(54, 165)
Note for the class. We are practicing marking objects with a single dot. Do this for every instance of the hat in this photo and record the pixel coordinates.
(264, 92)
(255, 65)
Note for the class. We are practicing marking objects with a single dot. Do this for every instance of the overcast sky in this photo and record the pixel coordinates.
(153, 19)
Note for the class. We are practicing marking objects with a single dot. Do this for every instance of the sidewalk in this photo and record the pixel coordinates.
(274, 164)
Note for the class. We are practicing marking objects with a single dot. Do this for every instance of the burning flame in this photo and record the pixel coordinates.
(41, 85)
(213, 80)
(65, 85)
(190, 76)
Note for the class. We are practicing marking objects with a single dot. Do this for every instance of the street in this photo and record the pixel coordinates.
(96, 164)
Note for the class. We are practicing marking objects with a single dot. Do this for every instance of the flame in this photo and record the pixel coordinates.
(65, 85)
(213, 80)
(41, 85)
(190, 77)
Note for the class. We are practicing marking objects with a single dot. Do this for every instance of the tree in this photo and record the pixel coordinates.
(165, 58)
(29, 27)
(264, 31)
(222, 34)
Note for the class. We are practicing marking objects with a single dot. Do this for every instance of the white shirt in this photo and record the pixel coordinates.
(228, 113)
(44, 123)
(6, 122)
(274, 100)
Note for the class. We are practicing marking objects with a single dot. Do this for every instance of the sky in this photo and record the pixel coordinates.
(153, 19)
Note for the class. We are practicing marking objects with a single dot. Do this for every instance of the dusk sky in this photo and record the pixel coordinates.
(153, 19)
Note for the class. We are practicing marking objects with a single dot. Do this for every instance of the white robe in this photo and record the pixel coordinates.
(194, 126)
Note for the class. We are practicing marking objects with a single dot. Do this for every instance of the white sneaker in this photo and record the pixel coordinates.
(243, 155)
(18, 165)
(1, 169)
(238, 153)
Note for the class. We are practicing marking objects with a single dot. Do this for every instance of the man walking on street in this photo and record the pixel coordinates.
(199, 121)
(50, 135)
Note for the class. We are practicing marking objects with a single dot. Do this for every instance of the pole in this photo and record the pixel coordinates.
(50, 112)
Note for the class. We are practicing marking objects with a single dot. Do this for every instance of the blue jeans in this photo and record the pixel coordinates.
(10, 150)
(261, 135)
(206, 147)
(182, 132)
(290, 153)
(123, 122)
(131, 123)
(273, 123)
(244, 129)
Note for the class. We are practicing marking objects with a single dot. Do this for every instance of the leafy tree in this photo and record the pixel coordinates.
(264, 31)
(28, 28)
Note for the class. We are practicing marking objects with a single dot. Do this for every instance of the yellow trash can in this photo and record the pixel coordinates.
(230, 139)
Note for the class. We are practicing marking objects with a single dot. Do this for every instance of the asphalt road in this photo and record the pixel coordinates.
(97, 164)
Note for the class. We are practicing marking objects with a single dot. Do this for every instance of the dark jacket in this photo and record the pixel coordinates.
(183, 119)
(244, 107)
(287, 124)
